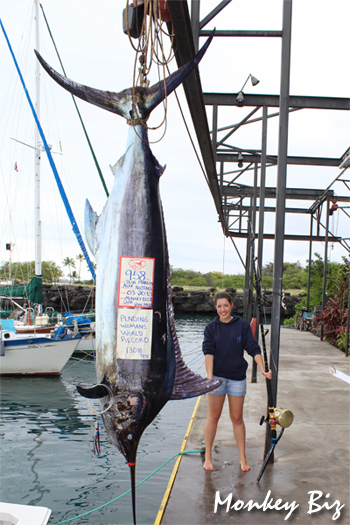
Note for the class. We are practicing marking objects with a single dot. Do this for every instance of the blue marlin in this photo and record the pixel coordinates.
(139, 365)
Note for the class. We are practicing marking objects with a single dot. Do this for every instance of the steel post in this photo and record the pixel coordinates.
(262, 188)
(280, 195)
(325, 266)
(309, 266)
(195, 9)
(348, 323)
(247, 280)
(261, 217)
(215, 131)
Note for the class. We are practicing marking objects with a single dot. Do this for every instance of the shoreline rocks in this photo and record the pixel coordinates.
(202, 301)
(78, 298)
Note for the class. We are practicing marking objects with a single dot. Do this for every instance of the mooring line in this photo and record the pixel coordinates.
(181, 453)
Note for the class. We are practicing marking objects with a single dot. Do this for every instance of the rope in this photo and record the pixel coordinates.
(149, 50)
(128, 491)
(146, 37)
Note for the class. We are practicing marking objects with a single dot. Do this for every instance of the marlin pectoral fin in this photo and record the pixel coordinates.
(96, 392)
(91, 219)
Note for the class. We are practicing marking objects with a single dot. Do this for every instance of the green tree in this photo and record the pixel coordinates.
(22, 272)
(73, 276)
(70, 262)
(80, 258)
(267, 270)
(51, 272)
(198, 281)
(293, 274)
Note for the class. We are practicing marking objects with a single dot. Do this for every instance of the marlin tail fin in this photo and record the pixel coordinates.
(123, 103)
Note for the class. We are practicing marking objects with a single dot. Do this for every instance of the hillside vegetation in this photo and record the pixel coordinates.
(294, 277)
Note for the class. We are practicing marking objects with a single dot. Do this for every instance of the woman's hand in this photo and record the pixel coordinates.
(260, 363)
(267, 375)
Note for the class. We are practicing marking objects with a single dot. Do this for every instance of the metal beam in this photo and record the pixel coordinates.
(266, 209)
(244, 33)
(270, 192)
(213, 14)
(272, 101)
(184, 51)
(287, 237)
(272, 159)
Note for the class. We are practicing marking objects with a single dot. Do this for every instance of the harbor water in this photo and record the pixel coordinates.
(47, 456)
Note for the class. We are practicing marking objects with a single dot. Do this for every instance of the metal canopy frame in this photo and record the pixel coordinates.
(236, 202)
(187, 32)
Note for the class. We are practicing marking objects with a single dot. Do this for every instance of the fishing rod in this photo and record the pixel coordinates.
(283, 417)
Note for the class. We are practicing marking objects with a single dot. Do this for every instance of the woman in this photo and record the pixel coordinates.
(225, 340)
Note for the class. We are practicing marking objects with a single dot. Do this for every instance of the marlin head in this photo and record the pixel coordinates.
(125, 418)
(130, 103)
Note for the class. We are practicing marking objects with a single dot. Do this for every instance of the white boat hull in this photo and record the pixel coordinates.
(35, 355)
(13, 514)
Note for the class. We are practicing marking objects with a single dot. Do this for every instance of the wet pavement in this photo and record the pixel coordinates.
(309, 481)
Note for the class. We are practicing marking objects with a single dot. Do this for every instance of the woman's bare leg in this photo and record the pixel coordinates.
(236, 415)
(215, 404)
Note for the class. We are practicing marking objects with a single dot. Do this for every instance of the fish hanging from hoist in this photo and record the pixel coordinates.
(139, 364)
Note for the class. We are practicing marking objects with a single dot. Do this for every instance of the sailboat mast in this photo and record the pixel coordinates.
(38, 265)
(52, 163)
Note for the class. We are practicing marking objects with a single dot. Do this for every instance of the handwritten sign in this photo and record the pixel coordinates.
(136, 279)
(134, 334)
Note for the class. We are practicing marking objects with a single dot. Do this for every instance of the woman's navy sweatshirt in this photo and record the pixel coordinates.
(227, 342)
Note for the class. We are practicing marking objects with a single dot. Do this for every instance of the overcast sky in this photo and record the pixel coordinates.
(95, 52)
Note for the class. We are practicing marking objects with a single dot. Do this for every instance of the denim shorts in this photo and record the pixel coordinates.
(230, 387)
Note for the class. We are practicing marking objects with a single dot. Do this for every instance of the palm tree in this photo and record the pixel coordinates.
(51, 272)
(73, 276)
(80, 258)
(70, 263)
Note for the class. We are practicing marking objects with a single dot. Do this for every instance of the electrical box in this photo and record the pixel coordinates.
(135, 19)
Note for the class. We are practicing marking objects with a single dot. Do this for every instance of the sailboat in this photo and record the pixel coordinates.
(37, 353)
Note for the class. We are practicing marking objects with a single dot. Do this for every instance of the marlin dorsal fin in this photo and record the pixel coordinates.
(188, 384)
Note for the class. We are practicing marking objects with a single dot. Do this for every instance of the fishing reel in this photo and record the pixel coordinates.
(284, 417)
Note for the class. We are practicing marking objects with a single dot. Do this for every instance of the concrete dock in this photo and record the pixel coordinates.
(311, 473)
